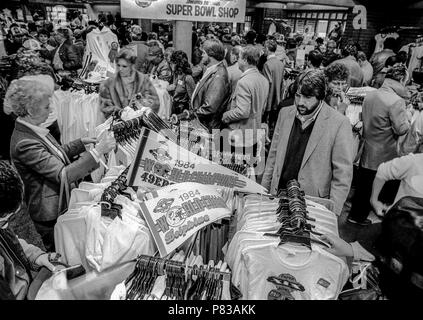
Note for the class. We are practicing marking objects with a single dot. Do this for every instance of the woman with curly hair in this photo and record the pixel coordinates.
(337, 75)
(183, 83)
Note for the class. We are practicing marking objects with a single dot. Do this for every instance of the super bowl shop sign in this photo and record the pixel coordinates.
(191, 10)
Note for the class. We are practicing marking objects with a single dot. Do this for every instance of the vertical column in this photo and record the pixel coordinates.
(182, 37)
(145, 25)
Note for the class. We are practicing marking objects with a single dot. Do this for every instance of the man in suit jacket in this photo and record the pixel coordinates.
(213, 92)
(248, 101)
(273, 70)
(313, 144)
(385, 118)
(356, 74)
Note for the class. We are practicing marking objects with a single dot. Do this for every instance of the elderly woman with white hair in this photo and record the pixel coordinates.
(47, 169)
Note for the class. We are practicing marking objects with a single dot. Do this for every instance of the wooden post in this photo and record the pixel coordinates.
(182, 37)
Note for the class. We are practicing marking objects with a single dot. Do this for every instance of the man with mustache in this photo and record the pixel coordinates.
(312, 143)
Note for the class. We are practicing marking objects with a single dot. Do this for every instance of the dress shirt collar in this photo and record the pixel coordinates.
(270, 56)
(250, 70)
(211, 69)
(42, 132)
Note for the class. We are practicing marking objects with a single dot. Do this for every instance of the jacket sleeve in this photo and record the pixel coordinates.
(342, 165)
(190, 85)
(31, 252)
(271, 158)
(398, 117)
(216, 95)
(74, 148)
(34, 155)
(106, 104)
(267, 74)
(243, 105)
(73, 60)
(396, 169)
(150, 98)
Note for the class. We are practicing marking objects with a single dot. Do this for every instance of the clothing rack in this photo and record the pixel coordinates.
(87, 87)
(293, 216)
(126, 131)
(182, 281)
(108, 207)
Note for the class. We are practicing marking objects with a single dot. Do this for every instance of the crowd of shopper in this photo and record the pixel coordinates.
(233, 81)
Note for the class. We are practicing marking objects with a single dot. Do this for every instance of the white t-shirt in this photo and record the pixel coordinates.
(293, 273)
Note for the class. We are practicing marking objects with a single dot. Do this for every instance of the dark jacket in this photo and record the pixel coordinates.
(162, 71)
(17, 260)
(40, 168)
(184, 88)
(112, 94)
(70, 56)
(211, 97)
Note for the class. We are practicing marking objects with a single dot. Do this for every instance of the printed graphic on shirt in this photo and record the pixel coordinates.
(285, 284)
(324, 283)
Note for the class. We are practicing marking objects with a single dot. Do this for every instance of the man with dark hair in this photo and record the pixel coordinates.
(349, 53)
(212, 93)
(337, 76)
(330, 55)
(312, 143)
(248, 101)
(17, 258)
(250, 37)
(319, 45)
(273, 70)
(378, 59)
(314, 59)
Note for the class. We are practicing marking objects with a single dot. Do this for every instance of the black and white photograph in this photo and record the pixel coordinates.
(221, 154)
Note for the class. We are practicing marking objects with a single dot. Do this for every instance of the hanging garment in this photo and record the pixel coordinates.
(380, 39)
(77, 114)
(99, 43)
(282, 273)
(262, 268)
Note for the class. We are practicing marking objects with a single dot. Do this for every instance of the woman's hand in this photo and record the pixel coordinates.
(44, 260)
(106, 143)
(89, 140)
(338, 247)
